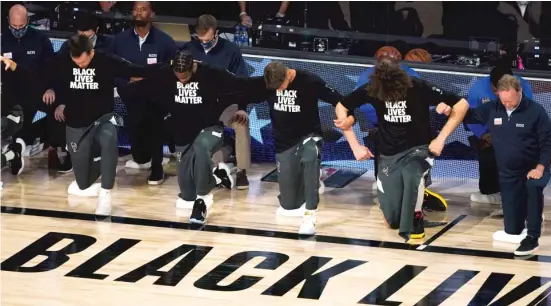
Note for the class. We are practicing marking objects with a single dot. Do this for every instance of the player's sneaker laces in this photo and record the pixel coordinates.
(199, 212)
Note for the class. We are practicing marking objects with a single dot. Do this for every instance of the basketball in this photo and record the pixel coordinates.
(388, 51)
(418, 55)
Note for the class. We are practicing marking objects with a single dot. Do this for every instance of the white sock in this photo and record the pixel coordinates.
(9, 155)
(104, 192)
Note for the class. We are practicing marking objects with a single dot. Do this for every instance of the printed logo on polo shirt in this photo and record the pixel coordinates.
(84, 79)
(187, 93)
(31, 52)
(520, 125)
(485, 100)
(396, 112)
(286, 100)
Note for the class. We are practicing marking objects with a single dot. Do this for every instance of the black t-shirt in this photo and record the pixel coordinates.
(89, 91)
(403, 124)
(196, 104)
(294, 111)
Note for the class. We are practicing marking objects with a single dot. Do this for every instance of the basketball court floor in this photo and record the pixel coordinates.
(55, 252)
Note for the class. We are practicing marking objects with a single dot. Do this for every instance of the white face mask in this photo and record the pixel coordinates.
(523, 2)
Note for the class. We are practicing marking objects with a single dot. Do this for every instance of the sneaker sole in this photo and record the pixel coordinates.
(22, 143)
(195, 221)
(241, 187)
(526, 252)
(417, 236)
(65, 172)
(155, 183)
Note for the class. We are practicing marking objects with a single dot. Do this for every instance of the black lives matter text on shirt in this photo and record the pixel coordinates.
(403, 124)
(294, 111)
(88, 92)
(196, 104)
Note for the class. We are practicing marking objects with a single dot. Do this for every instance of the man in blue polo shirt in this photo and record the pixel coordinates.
(483, 91)
(144, 45)
(433, 201)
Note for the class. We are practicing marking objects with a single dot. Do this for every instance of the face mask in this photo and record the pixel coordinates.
(210, 44)
(139, 23)
(18, 33)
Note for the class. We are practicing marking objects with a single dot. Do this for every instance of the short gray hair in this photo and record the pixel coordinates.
(508, 82)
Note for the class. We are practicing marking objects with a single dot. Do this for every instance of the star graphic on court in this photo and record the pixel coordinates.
(460, 135)
(257, 124)
(357, 130)
(259, 66)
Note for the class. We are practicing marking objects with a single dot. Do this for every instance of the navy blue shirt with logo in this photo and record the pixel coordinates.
(158, 47)
(521, 139)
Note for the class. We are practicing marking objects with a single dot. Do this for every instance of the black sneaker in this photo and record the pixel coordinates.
(199, 212)
(17, 164)
(418, 226)
(222, 174)
(66, 166)
(527, 246)
(157, 177)
(241, 180)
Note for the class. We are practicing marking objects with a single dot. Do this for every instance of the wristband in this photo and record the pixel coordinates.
(242, 14)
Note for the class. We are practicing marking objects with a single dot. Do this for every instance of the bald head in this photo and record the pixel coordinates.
(18, 16)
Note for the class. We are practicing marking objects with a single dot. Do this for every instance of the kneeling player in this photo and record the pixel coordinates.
(195, 95)
(405, 145)
(293, 96)
(87, 79)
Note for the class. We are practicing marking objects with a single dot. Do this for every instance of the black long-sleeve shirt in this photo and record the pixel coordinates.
(403, 124)
(195, 105)
(294, 111)
(88, 91)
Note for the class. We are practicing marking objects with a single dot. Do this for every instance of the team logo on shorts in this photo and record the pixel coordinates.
(74, 146)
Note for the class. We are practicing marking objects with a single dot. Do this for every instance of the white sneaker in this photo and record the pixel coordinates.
(92, 191)
(299, 212)
(104, 205)
(321, 190)
(486, 198)
(308, 226)
(504, 237)
(134, 165)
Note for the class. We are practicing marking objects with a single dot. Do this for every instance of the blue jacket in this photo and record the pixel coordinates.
(31, 51)
(367, 109)
(225, 55)
(481, 92)
(158, 47)
(521, 141)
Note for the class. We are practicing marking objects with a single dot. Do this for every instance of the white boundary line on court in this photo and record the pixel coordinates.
(369, 65)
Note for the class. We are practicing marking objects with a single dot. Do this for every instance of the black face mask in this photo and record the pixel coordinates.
(139, 23)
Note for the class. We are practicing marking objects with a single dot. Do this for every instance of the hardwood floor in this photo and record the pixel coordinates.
(54, 252)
